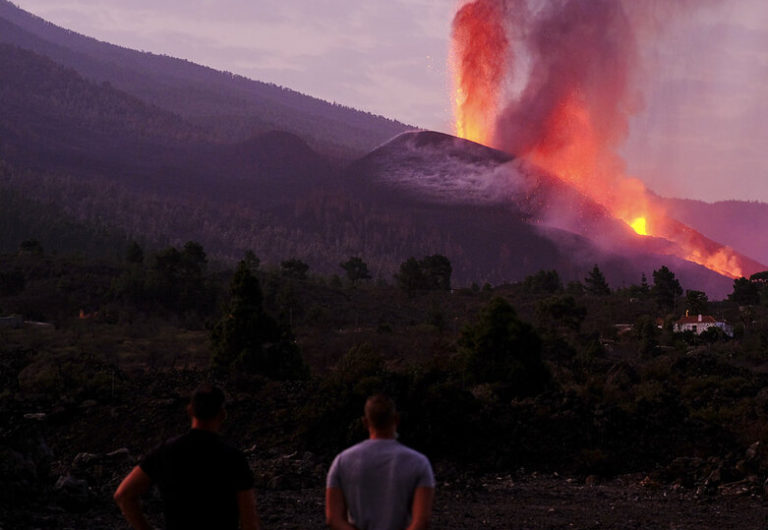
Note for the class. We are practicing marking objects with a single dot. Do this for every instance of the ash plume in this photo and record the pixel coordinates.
(581, 54)
(520, 61)
(555, 83)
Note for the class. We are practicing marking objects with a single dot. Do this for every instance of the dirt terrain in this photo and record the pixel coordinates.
(61, 459)
(493, 502)
(61, 467)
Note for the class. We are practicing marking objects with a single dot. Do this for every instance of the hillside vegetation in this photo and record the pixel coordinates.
(575, 379)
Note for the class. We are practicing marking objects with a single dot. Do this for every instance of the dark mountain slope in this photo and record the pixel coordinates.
(150, 174)
(230, 107)
(53, 120)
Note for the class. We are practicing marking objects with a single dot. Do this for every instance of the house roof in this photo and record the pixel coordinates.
(705, 319)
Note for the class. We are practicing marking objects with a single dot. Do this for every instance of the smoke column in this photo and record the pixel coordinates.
(553, 82)
(573, 109)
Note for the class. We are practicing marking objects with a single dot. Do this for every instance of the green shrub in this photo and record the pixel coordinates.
(500, 348)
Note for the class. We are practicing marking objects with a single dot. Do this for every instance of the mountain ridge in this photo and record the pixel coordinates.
(229, 105)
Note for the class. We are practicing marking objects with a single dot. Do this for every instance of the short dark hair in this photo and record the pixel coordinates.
(380, 411)
(207, 401)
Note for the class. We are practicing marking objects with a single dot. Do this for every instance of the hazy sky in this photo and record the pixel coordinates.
(702, 133)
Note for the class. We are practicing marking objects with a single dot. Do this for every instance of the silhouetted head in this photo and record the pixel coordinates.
(381, 416)
(207, 403)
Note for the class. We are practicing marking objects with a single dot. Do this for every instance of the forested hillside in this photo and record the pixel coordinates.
(54, 119)
(23, 219)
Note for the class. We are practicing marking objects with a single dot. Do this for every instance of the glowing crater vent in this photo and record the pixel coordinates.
(638, 225)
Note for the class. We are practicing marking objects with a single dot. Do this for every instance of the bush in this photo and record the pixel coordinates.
(247, 338)
(502, 349)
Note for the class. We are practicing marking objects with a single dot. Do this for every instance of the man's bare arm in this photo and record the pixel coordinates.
(421, 511)
(127, 498)
(249, 515)
(336, 510)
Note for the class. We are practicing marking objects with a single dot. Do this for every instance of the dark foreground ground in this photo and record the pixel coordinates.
(62, 454)
(60, 473)
(502, 502)
(552, 502)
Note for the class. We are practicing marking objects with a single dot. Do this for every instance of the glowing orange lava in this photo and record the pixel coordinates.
(638, 225)
(478, 55)
(571, 149)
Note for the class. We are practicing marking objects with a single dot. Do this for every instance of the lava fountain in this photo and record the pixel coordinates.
(479, 55)
(552, 83)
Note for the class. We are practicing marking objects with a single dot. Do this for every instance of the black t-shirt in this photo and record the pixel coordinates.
(199, 475)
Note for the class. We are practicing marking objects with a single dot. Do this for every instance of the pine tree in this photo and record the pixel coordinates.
(596, 284)
(745, 292)
(666, 288)
(644, 287)
(356, 269)
(503, 350)
(134, 254)
(696, 302)
(410, 278)
(247, 338)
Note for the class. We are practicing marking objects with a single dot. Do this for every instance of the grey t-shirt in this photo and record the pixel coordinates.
(378, 478)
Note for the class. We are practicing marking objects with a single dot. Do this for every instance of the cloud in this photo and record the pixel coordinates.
(705, 125)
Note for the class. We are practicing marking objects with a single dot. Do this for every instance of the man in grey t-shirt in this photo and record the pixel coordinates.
(379, 484)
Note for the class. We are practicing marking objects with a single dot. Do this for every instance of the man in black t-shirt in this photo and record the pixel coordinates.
(205, 483)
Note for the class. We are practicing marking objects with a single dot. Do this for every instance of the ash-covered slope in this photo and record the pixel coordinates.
(536, 217)
(443, 169)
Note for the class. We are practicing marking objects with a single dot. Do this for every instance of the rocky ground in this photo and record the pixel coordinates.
(61, 460)
(290, 493)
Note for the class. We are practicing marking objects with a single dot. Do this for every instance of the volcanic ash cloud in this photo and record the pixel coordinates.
(554, 83)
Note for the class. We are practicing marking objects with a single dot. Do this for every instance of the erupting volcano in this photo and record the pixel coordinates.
(552, 83)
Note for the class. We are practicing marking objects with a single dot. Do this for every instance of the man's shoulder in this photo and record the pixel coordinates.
(166, 445)
(360, 446)
(392, 447)
(195, 441)
(413, 456)
(410, 450)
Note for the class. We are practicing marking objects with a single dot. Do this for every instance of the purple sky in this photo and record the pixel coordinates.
(702, 132)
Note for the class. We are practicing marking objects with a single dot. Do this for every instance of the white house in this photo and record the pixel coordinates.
(700, 323)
